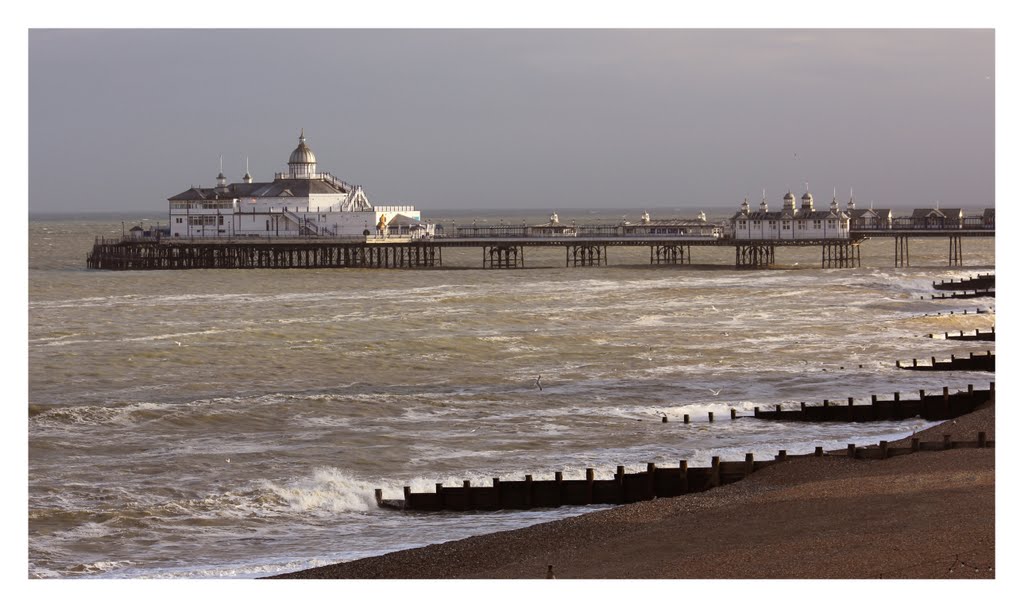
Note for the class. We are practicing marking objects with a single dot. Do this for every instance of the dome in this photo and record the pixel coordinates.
(807, 197)
(302, 155)
(789, 197)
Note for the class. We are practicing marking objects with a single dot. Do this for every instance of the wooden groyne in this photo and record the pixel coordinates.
(976, 311)
(624, 488)
(981, 281)
(961, 295)
(980, 362)
(930, 407)
(987, 336)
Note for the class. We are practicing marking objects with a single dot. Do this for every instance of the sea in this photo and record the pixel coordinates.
(211, 424)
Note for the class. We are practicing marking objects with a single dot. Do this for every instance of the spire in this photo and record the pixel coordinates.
(247, 178)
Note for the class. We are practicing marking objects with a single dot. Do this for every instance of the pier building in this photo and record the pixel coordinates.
(790, 223)
(299, 202)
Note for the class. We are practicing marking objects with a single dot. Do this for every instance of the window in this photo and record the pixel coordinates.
(802, 225)
(743, 224)
(817, 223)
(177, 220)
(785, 225)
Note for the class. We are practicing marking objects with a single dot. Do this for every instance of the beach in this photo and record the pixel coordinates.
(926, 515)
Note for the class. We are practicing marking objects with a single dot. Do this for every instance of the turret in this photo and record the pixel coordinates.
(745, 207)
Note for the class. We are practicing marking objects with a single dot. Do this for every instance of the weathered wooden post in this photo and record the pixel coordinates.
(819, 451)
(684, 482)
(748, 463)
(378, 495)
(970, 390)
(620, 476)
(529, 491)
(716, 464)
(884, 445)
(686, 419)
(851, 450)
(982, 440)
(732, 413)
(896, 396)
(757, 412)
(781, 456)
(590, 486)
(915, 444)
(947, 442)
(664, 419)
(561, 488)
(650, 478)
(778, 408)
(711, 416)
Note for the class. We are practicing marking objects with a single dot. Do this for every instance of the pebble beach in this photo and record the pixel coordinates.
(927, 515)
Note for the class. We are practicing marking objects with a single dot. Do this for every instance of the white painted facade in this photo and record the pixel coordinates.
(300, 202)
(790, 224)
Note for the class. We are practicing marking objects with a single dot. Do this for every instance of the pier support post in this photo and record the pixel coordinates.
(956, 256)
(902, 257)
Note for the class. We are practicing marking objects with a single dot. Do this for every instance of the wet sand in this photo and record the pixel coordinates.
(924, 515)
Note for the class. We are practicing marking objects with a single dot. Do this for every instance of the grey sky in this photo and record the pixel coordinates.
(507, 119)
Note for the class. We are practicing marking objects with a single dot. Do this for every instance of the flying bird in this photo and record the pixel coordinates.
(714, 392)
(537, 382)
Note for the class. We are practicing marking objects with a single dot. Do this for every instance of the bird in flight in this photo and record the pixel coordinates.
(537, 382)
(714, 392)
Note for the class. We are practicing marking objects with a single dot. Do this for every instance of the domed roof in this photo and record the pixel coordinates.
(302, 154)
(807, 197)
(789, 197)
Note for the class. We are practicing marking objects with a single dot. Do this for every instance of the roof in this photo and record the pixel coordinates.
(858, 213)
(945, 212)
(403, 220)
(278, 187)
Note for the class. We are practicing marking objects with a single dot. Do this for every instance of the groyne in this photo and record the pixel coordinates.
(624, 488)
(983, 336)
(662, 482)
(981, 281)
(973, 362)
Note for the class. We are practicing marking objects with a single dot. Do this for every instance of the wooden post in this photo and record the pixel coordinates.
(437, 488)
(650, 478)
(982, 441)
(664, 419)
(732, 414)
(757, 412)
(970, 390)
(819, 451)
(778, 408)
(884, 445)
(947, 443)
(684, 483)
(915, 444)
(851, 450)
(378, 495)
(590, 486)
(620, 476)
(849, 401)
(748, 463)
(686, 419)
(896, 396)
(711, 416)
(715, 471)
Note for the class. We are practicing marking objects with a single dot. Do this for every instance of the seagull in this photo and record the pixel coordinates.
(713, 308)
(714, 392)
(227, 460)
(537, 382)
(178, 343)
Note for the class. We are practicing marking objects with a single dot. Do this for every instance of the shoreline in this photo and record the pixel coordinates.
(924, 515)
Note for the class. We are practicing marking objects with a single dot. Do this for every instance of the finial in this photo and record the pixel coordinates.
(302, 135)
(222, 163)
(764, 192)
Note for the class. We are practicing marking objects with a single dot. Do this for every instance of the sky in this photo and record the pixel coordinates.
(120, 120)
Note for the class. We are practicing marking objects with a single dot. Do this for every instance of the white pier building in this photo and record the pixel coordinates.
(790, 224)
(300, 202)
